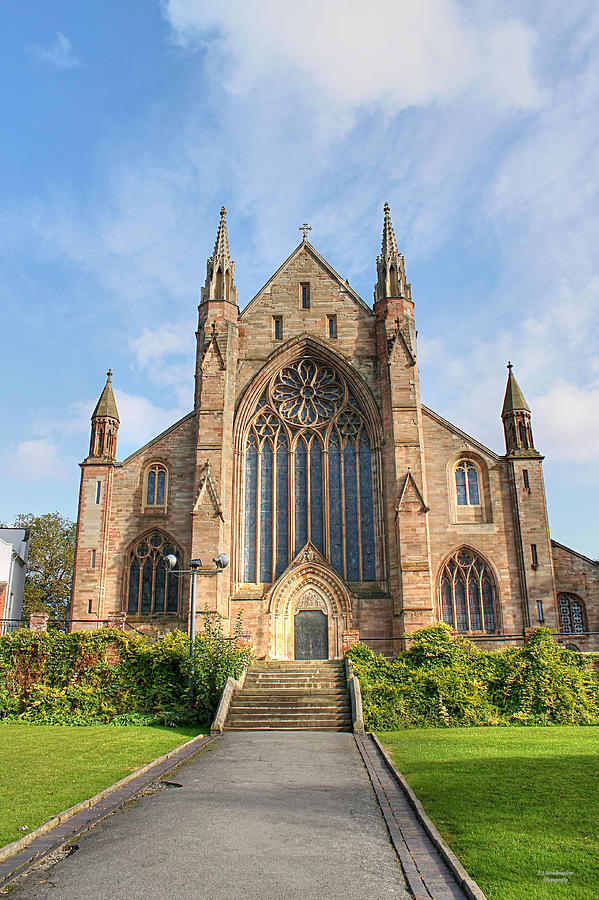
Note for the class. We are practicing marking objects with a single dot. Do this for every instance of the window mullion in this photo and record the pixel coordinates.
(359, 508)
(258, 511)
(342, 448)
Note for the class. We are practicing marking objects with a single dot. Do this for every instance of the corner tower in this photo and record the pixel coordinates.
(531, 525)
(216, 372)
(406, 506)
(95, 495)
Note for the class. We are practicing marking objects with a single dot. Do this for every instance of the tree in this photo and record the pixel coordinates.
(50, 565)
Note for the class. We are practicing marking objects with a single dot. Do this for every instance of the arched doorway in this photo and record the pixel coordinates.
(309, 609)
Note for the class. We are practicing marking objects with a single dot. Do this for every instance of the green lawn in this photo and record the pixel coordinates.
(47, 768)
(513, 803)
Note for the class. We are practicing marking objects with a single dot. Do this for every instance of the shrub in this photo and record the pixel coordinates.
(444, 680)
(85, 678)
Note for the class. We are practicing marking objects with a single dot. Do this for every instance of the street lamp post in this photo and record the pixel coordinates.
(195, 565)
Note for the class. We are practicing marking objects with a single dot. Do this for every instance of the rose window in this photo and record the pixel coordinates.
(308, 476)
(308, 393)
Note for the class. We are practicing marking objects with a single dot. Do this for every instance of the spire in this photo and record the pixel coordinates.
(220, 269)
(514, 398)
(516, 419)
(390, 269)
(106, 407)
(389, 244)
(105, 424)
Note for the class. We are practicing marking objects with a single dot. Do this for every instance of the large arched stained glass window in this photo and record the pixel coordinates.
(151, 588)
(467, 593)
(308, 476)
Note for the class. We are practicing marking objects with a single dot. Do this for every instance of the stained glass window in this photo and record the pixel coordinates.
(282, 507)
(467, 593)
(323, 448)
(335, 520)
(571, 614)
(155, 485)
(151, 586)
(251, 494)
(366, 510)
(316, 520)
(301, 499)
(466, 483)
(266, 523)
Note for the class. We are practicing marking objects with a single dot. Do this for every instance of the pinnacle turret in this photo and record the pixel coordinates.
(220, 269)
(105, 423)
(516, 418)
(391, 275)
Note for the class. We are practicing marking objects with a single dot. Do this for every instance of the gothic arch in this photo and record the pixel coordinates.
(149, 589)
(486, 568)
(310, 583)
(298, 352)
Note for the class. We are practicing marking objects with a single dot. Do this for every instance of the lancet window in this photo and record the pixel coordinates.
(151, 588)
(467, 593)
(466, 483)
(155, 493)
(308, 476)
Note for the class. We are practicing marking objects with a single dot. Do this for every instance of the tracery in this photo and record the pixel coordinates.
(467, 593)
(308, 475)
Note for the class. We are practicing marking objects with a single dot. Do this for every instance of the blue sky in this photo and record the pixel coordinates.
(127, 125)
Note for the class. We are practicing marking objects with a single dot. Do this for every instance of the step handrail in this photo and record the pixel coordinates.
(222, 710)
(355, 694)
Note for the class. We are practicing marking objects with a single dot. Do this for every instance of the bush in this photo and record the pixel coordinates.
(107, 676)
(444, 680)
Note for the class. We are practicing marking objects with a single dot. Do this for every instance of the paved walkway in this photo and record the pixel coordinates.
(259, 815)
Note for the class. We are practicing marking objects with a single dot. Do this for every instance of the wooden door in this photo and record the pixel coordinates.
(311, 634)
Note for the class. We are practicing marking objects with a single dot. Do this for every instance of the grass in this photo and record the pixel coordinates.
(513, 803)
(44, 769)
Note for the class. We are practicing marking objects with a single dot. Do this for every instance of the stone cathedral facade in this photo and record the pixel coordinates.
(346, 506)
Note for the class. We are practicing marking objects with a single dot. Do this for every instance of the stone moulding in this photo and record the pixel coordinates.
(355, 694)
(231, 685)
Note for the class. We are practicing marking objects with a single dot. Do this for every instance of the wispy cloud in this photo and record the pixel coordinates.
(58, 55)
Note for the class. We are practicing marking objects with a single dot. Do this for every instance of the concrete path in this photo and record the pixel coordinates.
(259, 815)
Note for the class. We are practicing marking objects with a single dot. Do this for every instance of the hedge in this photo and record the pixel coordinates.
(444, 680)
(107, 676)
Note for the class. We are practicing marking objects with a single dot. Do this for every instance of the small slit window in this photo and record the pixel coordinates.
(156, 486)
(332, 326)
(526, 479)
(305, 295)
(98, 489)
(277, 328)
(534, 556)
(93, 559)
(466, 483)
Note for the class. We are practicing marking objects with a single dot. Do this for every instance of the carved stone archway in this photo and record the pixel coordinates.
(308, 583)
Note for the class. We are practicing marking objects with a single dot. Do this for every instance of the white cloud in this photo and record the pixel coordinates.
(59, 55)
(141, 420)
(36, 460)
(353, 52)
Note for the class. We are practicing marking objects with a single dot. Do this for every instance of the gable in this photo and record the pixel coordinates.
(304, 264)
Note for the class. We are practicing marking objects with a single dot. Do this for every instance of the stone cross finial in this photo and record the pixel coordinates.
(305, 228)
(509, 365)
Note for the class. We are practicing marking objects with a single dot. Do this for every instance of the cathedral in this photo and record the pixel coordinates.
(347, 509)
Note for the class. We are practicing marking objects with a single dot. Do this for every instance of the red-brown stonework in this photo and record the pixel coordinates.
(350, 638)
(38, 621)
(419, 526)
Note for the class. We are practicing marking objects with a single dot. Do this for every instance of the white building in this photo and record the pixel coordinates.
(14, 548)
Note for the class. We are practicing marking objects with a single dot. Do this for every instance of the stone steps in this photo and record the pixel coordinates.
(292, 695)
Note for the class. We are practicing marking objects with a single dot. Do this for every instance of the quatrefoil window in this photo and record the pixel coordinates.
(307, 393)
